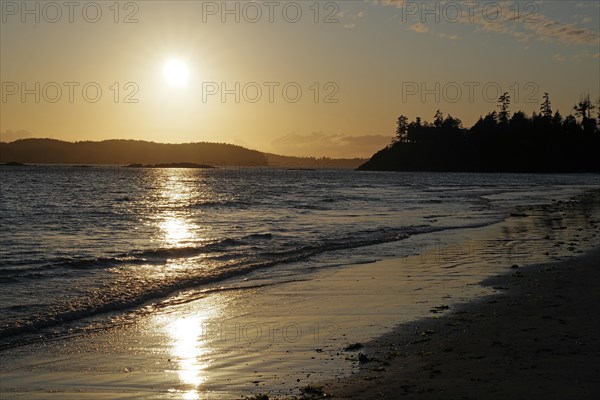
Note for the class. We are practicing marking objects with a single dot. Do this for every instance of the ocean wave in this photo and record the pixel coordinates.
(134, 257)
(219, 203)
(259, 236)
(127, 298)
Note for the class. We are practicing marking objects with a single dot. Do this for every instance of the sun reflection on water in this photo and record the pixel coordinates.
(189, 350)
(189, 345)
(176, 230)
(191, 395)
(178, 189)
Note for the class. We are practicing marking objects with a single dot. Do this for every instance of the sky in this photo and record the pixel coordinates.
(302, 78)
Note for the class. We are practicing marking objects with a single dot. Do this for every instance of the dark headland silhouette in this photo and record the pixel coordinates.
(498, 142)
(140, 153)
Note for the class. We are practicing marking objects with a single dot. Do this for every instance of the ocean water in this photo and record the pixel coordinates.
(82, 245)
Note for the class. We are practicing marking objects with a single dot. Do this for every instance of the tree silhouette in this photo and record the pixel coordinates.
(504, 103)
(402, 129)
(545, 108)
(584, 108)
(542, 142)
(451, 123)
(438, 119)
(570, 124)
(557, 119)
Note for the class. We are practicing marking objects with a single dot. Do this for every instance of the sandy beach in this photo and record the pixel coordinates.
(299, 200)
(537, 338)
(427, 326)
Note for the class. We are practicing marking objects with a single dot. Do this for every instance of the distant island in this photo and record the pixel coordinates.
(146, 154)
(498, 142)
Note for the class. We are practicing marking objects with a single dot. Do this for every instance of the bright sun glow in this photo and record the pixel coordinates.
(176, 72)
(176, 231)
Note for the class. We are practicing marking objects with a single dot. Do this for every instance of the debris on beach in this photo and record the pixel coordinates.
(313, 392)
(354, 347)
(437, 309)
(258, 397)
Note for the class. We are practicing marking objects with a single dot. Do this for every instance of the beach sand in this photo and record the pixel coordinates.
(528, 336)
(537, 339)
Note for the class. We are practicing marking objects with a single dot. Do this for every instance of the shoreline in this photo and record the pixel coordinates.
(278, 339)
(535, 338)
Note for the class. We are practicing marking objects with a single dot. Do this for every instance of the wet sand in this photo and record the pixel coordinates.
(537, 338)
(531, 336)
(240, 342)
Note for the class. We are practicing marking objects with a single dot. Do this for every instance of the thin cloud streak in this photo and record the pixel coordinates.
(525, 27)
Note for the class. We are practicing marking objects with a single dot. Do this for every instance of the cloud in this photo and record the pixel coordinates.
(397, 3)
(528, 25)
(319, 144)
(351, 18)
(560, 58)
(446, 36)
(549, 30)
(419, 27)
(11, 136)
(532, 27)
(575, 57)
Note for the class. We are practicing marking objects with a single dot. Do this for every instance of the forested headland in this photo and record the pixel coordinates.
(497, 142)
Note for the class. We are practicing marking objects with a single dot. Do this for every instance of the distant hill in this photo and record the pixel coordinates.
(125, 152)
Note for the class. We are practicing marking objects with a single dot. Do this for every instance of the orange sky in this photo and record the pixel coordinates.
(297, 78)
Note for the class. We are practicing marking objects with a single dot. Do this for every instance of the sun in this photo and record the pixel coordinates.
(176, 72)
